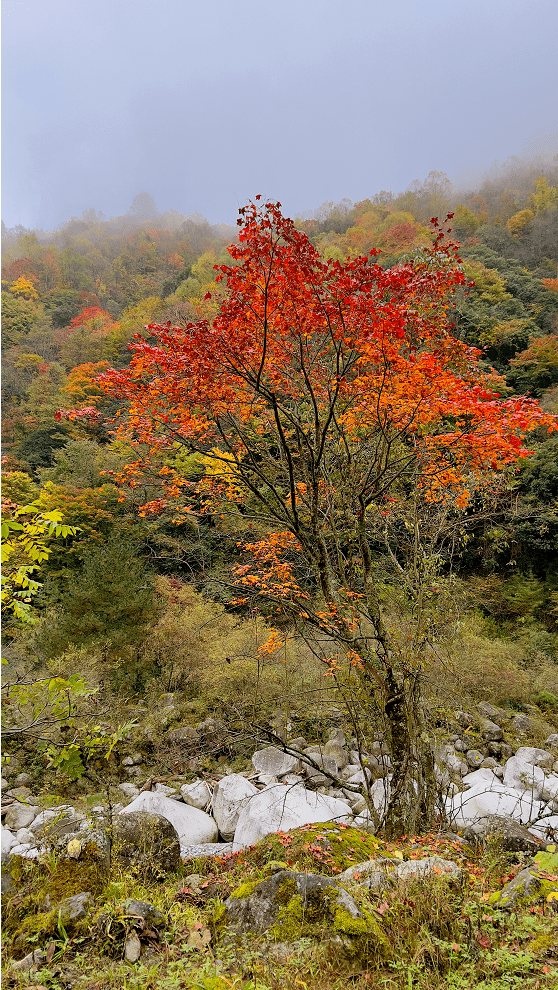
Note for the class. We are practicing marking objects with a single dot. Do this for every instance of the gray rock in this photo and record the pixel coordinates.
(142, 909)
(489, 763)
(495, 748)
(213, 732)
(75, 908)
(229, 797)
(474, 758)
(525, 886)
(385, 870)
(521, 723)
(490, 731)
(357, 802)
(25, 835)
(35, 958)
(183, 735)
(360, 871)
(27, 850)
(22, 794)
(170, 792)
(337, 736)
(129, 790)
(207, 849)
(463, 719)
(55, 822)
(20, 816)
(298, 743)
(539, 757)
(512, 836)
(8, 840)
(552, 743)
(380, 763)
(132, 949)
(328, 763)
(361, 776)
(505, 751)
(336, 752)
(23, 780)
(524, 777)
(197, 795)
(492, 713)
(259, 910)
(431, 866)
(193, 826)
(269, 778)
(451, 760)
(349, 771)
(273, 761)
(95, 845)
(290, 778)
(147, 842)
(379, 748)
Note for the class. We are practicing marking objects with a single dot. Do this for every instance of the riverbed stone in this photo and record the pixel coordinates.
(280, 808)
(229, 797)
(274, 761)
(192, 825)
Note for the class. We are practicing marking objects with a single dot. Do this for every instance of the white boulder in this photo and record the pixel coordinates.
(484, 776)
(26, 850)
(550, 788)
(524, 777)
(546, 828)
(20, 815)
(540, 757)
(467, 807)
(280, 808)
(274, 761)
(193, 826)
(55, 821)
(8, 841)
(197, 795)
(229, 797)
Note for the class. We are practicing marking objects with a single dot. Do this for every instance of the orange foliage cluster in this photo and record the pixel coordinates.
(370, 348)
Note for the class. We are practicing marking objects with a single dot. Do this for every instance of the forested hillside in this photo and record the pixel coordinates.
(293, 483)
(73, 300)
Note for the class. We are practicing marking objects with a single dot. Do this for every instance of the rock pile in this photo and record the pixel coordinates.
(479, 774)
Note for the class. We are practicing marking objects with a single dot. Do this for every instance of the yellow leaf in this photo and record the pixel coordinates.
(200, 939)
(74, 848)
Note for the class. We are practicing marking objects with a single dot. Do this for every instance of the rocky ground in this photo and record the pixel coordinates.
(269, 872)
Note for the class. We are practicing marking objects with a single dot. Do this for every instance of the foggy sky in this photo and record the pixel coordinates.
(206, 104)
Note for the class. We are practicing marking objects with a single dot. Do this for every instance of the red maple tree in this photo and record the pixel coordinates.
(332, 402)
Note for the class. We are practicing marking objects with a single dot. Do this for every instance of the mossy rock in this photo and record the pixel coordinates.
(146, 843)
(327, 846)
(289, 906)
(80, 867)
(547, 860)
(525, 890)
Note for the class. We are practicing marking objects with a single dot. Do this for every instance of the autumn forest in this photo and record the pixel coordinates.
(326, 450)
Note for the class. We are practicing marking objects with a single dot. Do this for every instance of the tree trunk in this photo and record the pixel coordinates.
(410, 808)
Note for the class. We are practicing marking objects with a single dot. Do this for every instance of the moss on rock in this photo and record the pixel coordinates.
(326, 846)
(290, 906)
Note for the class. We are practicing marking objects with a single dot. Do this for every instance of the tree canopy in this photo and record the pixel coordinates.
(339, 409)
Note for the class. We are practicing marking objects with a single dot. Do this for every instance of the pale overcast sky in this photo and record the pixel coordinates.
(206, 104)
